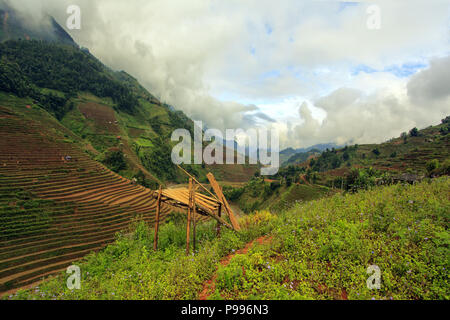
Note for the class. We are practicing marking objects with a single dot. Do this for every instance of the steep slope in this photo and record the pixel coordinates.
(56, 203)
(108, 109)
(13, 26)
(77, 88)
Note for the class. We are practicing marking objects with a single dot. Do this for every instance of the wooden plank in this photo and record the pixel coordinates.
(218, 190)
(158, 208)
(183, 197)
(194, 218)
(206, 199)
(215, 197)
(219, 213)
(188, 229)
(175, 200)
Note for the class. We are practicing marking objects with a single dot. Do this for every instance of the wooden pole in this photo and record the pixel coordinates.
(219, 213)
(206, 189)
(194, 219)
(218, 190)
(188, 229)
(158, 209)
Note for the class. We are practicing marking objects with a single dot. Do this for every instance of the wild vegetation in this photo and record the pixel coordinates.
(65, 68)
(419, 154)
(315, 250)
(77, 137)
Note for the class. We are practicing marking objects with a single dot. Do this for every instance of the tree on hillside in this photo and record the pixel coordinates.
(115, 160)
(360, 179)
(346, 156)
(59, 67)
(376, 152)
(158, 160)
(414, 132)
(432, 165)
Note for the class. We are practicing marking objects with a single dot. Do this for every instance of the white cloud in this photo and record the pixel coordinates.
(275, 55)
(354, 116)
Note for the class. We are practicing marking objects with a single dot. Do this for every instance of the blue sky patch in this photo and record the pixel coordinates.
(345, 4)
(405, 70)
(362, 68)
(268, 28)
(270, 74)
(401, 71)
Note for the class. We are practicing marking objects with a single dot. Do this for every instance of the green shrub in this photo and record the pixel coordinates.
(115, 160)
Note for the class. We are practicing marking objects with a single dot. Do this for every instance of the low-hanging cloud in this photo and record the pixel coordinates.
(356, 117)
(188, 53)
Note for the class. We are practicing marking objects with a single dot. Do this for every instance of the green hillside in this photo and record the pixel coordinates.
(127, 128)
(315, 250)
(301, 157)
(259, 194)
(312, 175)
(411, 151)
(12, 27)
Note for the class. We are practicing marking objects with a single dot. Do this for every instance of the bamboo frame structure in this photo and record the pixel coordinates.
(205, 206)
(196, 204)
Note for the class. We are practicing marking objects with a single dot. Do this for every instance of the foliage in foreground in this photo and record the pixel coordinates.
(317, 250)
(322, 249)
(130, 269)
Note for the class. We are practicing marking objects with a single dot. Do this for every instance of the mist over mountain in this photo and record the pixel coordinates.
(293, 154)
(320, 147)
(16, 25)
(229, 64)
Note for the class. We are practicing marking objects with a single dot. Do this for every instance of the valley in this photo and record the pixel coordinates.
(87, 178)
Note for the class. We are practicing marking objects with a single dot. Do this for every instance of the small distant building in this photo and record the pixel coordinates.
(68, 158)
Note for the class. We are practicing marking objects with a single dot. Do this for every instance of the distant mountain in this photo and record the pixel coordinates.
(301, 157)
(14, 27)
(286, 154)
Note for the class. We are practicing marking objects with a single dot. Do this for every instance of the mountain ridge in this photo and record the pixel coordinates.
(110, 110)
(13, 27)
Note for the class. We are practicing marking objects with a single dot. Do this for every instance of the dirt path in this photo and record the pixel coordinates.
(210, 286)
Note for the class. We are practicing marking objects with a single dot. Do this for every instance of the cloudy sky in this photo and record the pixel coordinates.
(316, 70)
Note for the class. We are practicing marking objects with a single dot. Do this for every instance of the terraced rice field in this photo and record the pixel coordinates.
(54, 211)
